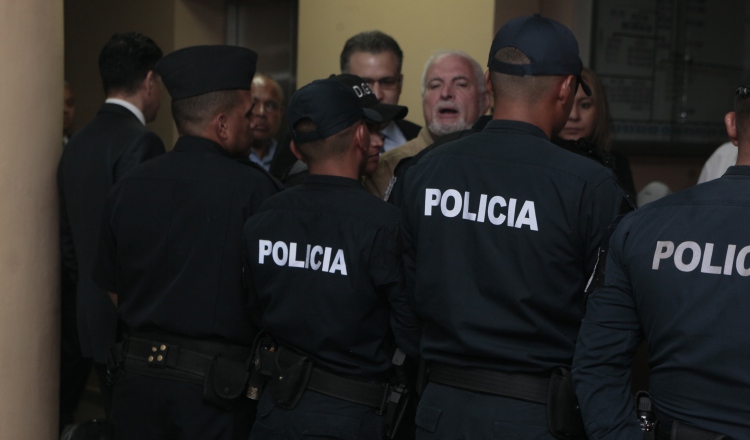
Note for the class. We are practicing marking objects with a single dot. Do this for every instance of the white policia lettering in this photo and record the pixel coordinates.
(452, 203)
(666, 249)
(315, 258)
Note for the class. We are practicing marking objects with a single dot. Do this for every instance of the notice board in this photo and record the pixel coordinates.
(670, 67)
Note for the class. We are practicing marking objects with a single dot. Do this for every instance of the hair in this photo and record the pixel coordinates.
(192, 114)
(476, 68)
(528, 88)
(125, 61)
(742, 113)
(259, 77)
(602, 134)
(373, 42)
(323, 149)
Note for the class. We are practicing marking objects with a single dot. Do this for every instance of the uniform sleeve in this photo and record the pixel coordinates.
(104, 272)
(609, 335)
(604, 204)
(388, 277)
(145, 147)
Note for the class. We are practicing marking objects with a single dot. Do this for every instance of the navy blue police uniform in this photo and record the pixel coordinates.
(677, 276)
(170, 249)
(503, 230)
(325, 267)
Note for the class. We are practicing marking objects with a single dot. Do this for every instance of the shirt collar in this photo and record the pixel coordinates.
(268, 158)
(738, 170)
(133, 109)
(507, 125)
(322, 179)
(392, 136)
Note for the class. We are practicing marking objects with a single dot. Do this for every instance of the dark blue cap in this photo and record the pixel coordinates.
(197, 70)
(331, 105)
(551, 47)
(367, 98)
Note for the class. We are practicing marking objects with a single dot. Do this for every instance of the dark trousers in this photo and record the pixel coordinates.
(316, 416)
(148, 408)
(451, 413)
(105, 388)
(74, 368)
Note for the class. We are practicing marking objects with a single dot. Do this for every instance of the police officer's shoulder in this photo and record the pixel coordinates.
(260, 171)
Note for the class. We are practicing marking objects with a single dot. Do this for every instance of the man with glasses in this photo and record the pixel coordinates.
(266, 120)
(377, 58)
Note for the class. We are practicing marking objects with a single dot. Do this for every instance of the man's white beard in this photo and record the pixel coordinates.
(438, 129)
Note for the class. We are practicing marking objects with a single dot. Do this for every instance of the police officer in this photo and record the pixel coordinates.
(170, 255)
(504, 229)
(677, 276)
(324, 261)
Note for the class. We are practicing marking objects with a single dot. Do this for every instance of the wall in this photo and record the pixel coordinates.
(31, 109)
(172, 24)
(420, 27)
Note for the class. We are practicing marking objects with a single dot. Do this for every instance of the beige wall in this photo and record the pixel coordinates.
(172, 24)
(421, 27)
(31, 108)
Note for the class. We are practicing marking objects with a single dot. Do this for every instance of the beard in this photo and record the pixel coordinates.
(442, 128)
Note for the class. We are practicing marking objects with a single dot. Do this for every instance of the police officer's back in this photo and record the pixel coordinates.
(325, 268)
(504, 228)
(171, 254)
(677, 276)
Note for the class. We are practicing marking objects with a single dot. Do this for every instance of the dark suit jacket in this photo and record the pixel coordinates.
(409, 129)
(94, 159)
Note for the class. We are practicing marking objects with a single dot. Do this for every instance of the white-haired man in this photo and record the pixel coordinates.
(454, 96)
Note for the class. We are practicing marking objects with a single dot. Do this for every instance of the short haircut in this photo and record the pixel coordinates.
(372, 42)
(742, 114)
(192, 114)
(476, 68)
(529, 88)
(602, 134)
(322, 149)
(125, 61)
(275, 84)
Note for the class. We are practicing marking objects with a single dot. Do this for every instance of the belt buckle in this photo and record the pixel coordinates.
(158, 356)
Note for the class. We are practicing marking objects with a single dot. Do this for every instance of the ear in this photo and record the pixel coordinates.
(295, 151)
(488, 84)
(568, 87)
(730, 121)
(149, 82)
(362, 137)
(219, 126)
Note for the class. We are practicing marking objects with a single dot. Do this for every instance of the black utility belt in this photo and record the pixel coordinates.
(556, 391)
(517, 386)
(289, 374)
(221, 368)
(681, 431)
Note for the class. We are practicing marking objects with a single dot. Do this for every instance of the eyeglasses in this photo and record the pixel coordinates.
(268, 106)
(387, 83)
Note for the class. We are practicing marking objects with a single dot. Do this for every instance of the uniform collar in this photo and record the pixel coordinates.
(133, 109)
(194, 144)
(738, 170)
(504, 125)
(320, 179)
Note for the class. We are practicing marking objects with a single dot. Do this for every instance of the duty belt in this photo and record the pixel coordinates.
(681, 431)
(175, 357)
(516, 386)
(354, 391)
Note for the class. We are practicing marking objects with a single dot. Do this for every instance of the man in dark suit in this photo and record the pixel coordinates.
(377, 58)
(94, 159)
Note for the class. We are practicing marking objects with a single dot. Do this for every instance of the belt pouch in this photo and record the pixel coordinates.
(563, 414)
(225, 382)
(681, 431)
(290, 378)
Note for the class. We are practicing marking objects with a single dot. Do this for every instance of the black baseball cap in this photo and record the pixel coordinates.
(367, 98)
(197, 70)
(551, 47)
(331, 105)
